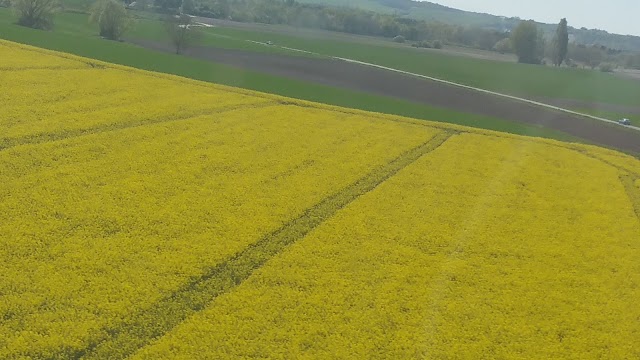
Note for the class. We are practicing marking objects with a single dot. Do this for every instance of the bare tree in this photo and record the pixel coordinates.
(182, 32)
(37, 14)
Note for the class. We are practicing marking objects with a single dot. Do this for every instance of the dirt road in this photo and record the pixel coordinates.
(351, 76)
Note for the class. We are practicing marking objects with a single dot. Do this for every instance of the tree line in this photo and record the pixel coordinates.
(529, 44)
(527, 40)
(340, 19)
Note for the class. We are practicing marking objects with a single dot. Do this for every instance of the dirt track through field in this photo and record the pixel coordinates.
(376, 81)
(152, 323)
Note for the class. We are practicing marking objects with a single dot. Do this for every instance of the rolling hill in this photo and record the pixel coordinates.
(425, 10)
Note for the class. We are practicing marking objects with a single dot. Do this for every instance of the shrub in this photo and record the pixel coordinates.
(112, 18)
(422, 44)
(399, 39)
(437, 44)
(606, 67)
(503, 46)
(570, 63)
(181, 31)
(37, 14)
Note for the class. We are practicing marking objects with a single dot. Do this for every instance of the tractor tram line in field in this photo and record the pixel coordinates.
(632, 187)
(8, 143)
(152, 323)
(379, 159)
(52, 68)
(630, 179)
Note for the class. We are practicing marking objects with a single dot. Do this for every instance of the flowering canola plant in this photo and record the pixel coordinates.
(19, 57)
(485, 248)
(130, 200)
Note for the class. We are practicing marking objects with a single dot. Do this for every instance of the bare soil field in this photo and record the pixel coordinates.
(351, 76)
(577, 104)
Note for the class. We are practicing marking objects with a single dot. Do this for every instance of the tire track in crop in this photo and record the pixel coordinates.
(151, 323)
(8, 69)
(8, 143)
(620, 168)
(627, 177)
(42, 51)
(560, 145)
(633, 191)
(33, 68)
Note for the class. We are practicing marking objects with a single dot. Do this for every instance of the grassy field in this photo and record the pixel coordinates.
(512, 78)
(150, 216)
(73, 34)
(635, 119)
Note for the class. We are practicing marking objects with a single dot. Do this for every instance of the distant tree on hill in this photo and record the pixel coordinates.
(141, 4)
(112, 18)
(187, 7)
(37, 14)
(168, 6)
(541, 44)
(591, 56)
(560, 43)
(524, 40)
(182, 33)
(503, 46)
(631, 61)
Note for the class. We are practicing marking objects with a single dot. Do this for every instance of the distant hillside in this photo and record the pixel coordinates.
(418, 10)
(424, 10)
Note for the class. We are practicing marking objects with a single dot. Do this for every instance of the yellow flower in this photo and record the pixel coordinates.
(498, 248)
(120, 188)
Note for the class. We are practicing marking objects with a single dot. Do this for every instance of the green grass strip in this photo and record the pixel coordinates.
(149, 324)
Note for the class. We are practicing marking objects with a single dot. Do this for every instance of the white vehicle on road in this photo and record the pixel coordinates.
(624, 121)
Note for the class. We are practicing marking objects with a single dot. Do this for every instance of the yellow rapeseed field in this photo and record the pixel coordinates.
(484, 249)
(152, 217)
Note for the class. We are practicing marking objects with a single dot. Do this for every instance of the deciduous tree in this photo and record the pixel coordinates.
(182, 33)
(524, 40)
(112, 18)
(37, 14)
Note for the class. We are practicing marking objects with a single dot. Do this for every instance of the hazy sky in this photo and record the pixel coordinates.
(616, 16)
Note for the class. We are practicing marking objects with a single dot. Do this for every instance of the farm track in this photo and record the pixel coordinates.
(52, 137)
(149, 324)
(377, 81)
